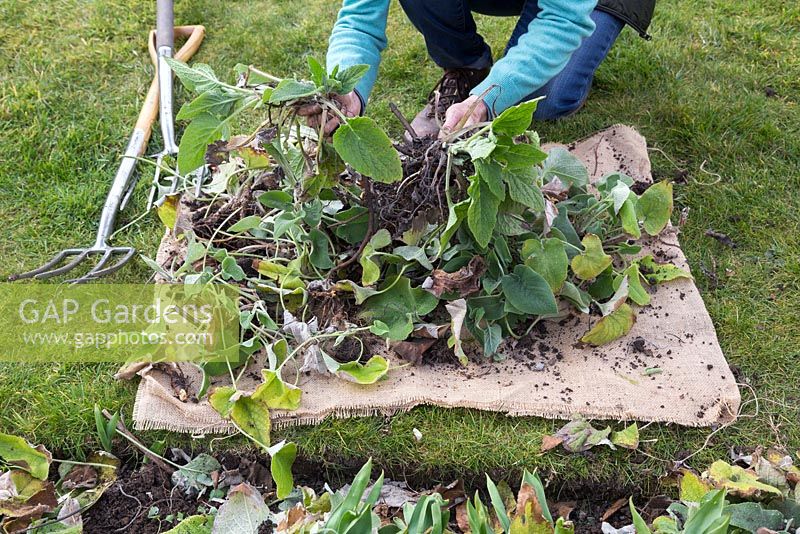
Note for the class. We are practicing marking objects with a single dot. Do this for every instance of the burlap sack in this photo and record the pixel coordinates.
(669, 368)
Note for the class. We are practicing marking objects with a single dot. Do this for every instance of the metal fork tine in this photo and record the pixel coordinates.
(58, 258)
(129, 252)
(61, 270)
(90, 275)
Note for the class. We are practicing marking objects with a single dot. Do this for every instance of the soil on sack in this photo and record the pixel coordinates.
(130, 504)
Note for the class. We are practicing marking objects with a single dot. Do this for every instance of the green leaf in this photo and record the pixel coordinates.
(692, 487)
(198, 78)
(658, 273)
(289, 89)
(636, 290)
(522, 189)
(350, 76)
(318, 73)
(611, 327)
(564, 225)
(168, 211)
(491, 173)
(243, 512)
(515, 120)
(654, 207)
(398, 306)
(367, 148)
(35, 460)
(283, 455)
(355, 224)
(366, 373)
(217, 103)
(455, 217)
(320, 252)
(751, 516)
(708, 518)
(245, 224)
(201, 132)
(231, 270)
(195, 476)
(482, 211)
(638, 522)
(498, 505)
(521, 156)
(276, 199)
(578, 297)
(593, 260)
(619, 194)
(414, 254)
(221, 400)
(194, 524)
(548, 258)
(492, 337)
(371, 271)
(627, 438)
(562, 164)
(630, 222)
(529, 292)
(478, 148)
(274, 393)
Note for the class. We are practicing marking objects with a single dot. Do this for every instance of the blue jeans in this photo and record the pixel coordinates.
(453, 41)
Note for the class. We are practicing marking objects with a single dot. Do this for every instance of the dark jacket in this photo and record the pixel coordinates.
(635, 13)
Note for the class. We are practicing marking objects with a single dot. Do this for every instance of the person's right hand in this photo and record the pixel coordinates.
(350, 106)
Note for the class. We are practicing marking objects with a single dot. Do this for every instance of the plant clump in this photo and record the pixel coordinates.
(339, 246)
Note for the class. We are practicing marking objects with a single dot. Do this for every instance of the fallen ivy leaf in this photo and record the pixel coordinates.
(242, 513)
(580, 436)
(627, 438)
(611, 327)
(737, 480)
(658, 273)
(195, 477)
(17, 451)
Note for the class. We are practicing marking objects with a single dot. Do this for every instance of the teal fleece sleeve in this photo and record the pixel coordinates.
(541, 53)
(359, 37)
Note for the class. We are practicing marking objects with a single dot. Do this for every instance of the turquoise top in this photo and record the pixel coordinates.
(359, 37)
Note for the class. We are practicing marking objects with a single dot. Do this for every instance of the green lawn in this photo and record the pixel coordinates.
(73, 74)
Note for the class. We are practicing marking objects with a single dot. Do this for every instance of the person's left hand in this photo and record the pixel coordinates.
(455, 113)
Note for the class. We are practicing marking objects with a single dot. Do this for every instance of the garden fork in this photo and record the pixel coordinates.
(160, 43)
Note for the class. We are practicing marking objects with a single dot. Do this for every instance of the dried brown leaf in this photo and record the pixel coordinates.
(463, 282)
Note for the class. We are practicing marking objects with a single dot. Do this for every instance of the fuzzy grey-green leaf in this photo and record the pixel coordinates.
(367, 148)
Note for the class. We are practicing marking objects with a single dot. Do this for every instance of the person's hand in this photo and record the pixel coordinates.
(349, 104)
(473, 108)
